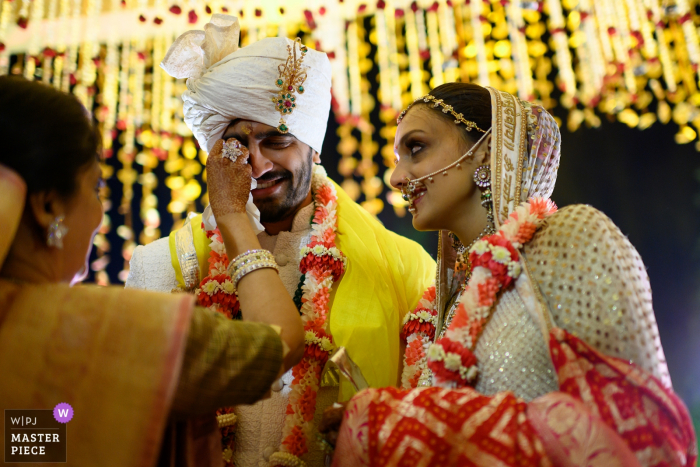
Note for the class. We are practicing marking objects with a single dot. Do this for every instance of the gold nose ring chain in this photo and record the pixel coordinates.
(410, 187)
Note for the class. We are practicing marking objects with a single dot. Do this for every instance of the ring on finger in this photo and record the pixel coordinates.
(232, 150)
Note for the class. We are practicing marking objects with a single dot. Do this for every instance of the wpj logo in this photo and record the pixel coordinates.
(37, 435)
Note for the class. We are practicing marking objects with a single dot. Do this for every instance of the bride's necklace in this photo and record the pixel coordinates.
(464, 252)
(450, 361)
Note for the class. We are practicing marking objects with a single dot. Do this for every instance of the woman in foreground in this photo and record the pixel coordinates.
(538, 345)
(127, 361)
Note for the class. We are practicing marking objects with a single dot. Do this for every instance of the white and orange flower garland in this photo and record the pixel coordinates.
(495, 265)
(322, 263)
(418, 332)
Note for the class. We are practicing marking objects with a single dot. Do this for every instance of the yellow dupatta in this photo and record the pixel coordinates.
(385, 277)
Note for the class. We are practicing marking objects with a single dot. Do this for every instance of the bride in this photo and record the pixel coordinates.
(538, 343)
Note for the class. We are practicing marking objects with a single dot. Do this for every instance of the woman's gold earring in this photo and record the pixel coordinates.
(482, 178)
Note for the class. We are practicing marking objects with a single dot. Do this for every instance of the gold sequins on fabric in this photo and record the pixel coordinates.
(597, 287)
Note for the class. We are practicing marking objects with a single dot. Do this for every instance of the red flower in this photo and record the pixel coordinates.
(415, 326)
(317, 326)
(461, 318)
(429, 294)
(488, 291)
(314, 351)
(542, 207)
(328, 236)
(307, 404)
(320, 264)
(192, 17)
(498, 270)
(466, 356)
(296, 442)
(300, 369)
(324, 195)
(525, 232)
(175, 9)
(414, 352)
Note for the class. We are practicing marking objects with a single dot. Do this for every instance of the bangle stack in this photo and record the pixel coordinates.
(250, 261)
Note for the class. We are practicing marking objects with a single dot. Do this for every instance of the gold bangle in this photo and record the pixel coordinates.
(253, 266)
(247, 257)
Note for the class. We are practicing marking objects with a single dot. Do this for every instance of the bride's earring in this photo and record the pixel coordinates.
(57, 230)
(482, 178)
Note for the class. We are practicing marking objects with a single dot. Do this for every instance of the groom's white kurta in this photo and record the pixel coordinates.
(259, 426)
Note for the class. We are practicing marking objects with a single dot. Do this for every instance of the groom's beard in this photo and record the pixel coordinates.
(296, 187)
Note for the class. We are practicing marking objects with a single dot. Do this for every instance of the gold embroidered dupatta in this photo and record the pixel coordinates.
(607, 412)
(525, 151)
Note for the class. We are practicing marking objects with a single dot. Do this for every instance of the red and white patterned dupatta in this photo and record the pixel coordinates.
(607, 412)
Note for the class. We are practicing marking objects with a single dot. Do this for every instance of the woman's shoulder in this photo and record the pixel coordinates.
(581, 250)
(581, 232)
(576, 220)
(596, 285)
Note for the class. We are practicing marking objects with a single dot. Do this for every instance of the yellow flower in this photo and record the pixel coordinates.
(453, 362)
(228, 287)
(210, 287)
(436, 353)
(310, 337)
(500, 254)
(326, 344)
(480, 247)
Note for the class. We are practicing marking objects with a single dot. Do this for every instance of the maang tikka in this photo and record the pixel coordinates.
(57, 230)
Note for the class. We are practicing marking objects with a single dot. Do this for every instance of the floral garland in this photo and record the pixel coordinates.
(496, 264)
(322, 264)
(216, 292)
(418, 332)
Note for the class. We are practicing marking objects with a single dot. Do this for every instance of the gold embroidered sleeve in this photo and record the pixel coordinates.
(597, 287)
(226, 363)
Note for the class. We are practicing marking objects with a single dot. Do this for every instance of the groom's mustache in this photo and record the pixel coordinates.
(279, 174)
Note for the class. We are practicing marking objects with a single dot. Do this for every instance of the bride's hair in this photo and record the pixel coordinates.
(471, 100)
(47, 135)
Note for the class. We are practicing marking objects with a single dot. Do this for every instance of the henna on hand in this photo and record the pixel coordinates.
(228, 180)
(331, 421)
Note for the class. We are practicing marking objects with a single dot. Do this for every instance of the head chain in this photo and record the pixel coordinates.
(459, 118)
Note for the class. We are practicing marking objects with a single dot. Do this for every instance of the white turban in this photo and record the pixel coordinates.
(227, 83)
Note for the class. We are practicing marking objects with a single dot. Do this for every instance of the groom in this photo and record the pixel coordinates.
(274, 96)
